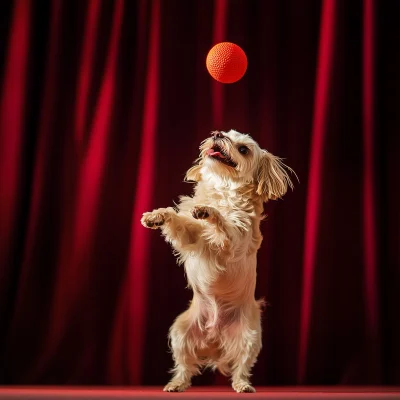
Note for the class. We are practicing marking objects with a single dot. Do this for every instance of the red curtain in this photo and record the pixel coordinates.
(102, 107)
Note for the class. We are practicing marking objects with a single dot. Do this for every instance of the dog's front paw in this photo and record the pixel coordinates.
(202, 212)
(152, 220)
(155, 219)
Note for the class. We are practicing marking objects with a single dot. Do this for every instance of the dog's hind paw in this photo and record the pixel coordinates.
(176, 387)
(243, 387)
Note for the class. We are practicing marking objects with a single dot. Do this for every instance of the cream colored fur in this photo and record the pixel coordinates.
(215, 233)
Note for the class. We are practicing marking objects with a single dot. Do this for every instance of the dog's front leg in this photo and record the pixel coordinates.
(216, 229)
(157, 218)
(178, 229)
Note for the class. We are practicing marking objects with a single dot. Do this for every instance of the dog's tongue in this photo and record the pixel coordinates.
(213, 153)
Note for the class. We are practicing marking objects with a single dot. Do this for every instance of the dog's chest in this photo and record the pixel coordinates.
(200, 272)
(225, 201)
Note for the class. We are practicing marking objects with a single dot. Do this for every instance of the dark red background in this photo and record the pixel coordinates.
(102, 108)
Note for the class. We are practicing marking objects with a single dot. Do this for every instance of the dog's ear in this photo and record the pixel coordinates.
(272, 178)
(193, 174)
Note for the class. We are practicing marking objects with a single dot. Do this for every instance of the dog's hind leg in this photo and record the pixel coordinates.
(241, 346)
(183, 346)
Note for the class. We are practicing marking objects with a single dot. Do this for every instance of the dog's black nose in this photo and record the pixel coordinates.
(218, 135)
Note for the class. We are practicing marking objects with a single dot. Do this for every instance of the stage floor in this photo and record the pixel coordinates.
(278, 393)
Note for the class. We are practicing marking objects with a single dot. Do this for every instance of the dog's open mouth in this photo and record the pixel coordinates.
(218, 153)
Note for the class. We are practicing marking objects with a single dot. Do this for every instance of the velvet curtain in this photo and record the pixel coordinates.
(102, 107)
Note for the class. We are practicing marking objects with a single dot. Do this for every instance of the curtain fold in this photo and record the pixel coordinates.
(372, 316)
(320, 121)
(12, 115)
(139, 250)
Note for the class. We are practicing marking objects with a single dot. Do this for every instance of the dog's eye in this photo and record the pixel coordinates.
(243, 150)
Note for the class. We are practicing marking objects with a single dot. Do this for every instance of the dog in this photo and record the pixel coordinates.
(216, 234)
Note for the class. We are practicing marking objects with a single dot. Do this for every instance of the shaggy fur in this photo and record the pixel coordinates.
(215, 233)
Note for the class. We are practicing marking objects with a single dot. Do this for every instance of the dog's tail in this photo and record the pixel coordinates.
(262, 304)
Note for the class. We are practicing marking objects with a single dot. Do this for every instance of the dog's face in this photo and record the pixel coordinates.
(237, 157)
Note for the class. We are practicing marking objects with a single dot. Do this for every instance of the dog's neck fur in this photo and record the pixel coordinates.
(237, 194)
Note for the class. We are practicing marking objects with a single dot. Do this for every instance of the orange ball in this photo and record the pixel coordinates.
(226, 62)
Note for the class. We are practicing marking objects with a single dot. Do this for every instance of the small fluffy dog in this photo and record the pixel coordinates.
(216, 235)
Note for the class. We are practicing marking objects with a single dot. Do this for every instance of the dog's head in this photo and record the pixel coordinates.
(234, 156)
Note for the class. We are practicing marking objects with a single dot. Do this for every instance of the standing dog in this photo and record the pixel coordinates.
(216, 235)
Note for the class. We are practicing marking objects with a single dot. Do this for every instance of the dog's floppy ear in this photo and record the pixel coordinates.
(272, 178)
(193, 174)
